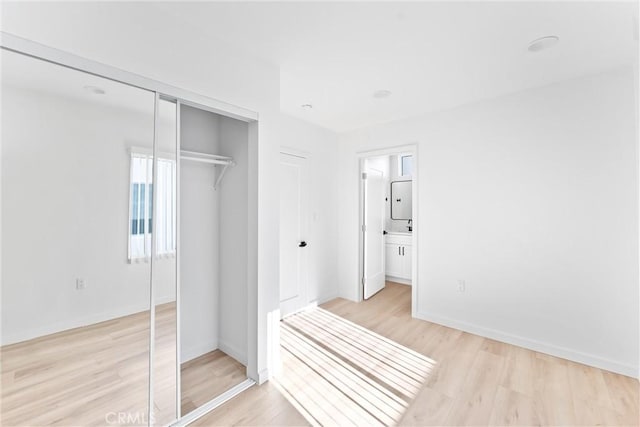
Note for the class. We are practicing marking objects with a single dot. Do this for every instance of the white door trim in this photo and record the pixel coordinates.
(389, 151)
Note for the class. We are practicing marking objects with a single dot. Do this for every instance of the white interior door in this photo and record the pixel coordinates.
(373, 221)
(293, 246)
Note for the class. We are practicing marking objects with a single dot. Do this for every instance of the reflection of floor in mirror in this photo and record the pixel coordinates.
(95, 374)
(208, 376)
(164, 364)
(82, 376)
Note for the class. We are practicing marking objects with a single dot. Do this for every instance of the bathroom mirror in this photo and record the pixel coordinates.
(401, 200)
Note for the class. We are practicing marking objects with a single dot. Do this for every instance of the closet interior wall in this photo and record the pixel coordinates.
(213, 237)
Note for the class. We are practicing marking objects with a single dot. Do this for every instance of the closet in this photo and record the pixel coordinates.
(126, 211)
(213, 254)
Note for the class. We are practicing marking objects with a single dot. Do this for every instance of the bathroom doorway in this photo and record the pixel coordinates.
(388, 212)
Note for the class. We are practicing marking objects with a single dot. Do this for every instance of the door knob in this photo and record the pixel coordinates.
(302, 244)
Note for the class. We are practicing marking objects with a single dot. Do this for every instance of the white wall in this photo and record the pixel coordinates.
(181, 56)
(65, 213)
(199, 236)
(234, 240)
(320, 147)
(532, 200)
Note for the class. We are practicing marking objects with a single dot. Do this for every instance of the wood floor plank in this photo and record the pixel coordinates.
(520, 373)
(430, 408)
(588, 385)
(624, 394)
(208, 376)
(511, 408)
(474, 400)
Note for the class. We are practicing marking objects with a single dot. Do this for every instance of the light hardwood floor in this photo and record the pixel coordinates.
(343, 364)
(208, 376)
(411, 372)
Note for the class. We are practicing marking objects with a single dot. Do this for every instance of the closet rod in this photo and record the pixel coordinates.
(204, 160)
(209, 158)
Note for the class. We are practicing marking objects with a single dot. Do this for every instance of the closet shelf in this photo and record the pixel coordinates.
(209, 158)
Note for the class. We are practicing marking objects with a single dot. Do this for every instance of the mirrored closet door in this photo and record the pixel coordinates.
(76, 247)
(125, 247)
(165, 192)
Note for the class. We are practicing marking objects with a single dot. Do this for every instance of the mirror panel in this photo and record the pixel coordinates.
(76, 221)
(164, 268)
(401, 200)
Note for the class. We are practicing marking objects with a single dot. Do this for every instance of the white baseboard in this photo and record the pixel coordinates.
(201, 348)
(539, 346)
(65, 325)
(327, 298)
(398, 280)
(233, 351)
(263, 376)
(165, 299)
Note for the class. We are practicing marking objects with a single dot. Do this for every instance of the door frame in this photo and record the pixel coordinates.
(390, 151)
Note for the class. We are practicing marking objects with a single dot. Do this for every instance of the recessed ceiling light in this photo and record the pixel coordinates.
(382, 93)
(542, 43)
(306, 106)
(94, 90)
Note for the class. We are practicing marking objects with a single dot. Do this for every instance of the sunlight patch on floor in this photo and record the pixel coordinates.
(338, 373)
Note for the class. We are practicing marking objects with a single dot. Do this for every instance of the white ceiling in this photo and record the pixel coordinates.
(431, 55)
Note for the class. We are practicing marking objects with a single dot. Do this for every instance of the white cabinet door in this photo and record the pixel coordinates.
(393, 259)
(406, 262)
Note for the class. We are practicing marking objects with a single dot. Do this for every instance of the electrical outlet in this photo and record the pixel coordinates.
(81, 284)
(462, 285)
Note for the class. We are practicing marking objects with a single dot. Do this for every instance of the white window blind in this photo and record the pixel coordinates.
(141, 201)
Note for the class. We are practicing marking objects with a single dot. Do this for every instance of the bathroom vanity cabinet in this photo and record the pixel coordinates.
(398, 257)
